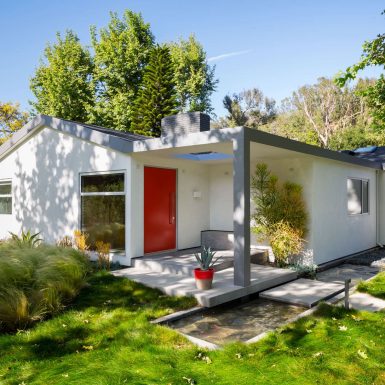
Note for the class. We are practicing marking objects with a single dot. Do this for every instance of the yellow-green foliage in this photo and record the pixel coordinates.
(280, 213)
(37, 282)
(103, 251)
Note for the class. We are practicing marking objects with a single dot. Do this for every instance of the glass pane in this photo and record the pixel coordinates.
(5, 188)
(365, 196)
(354, 196)
(103, 183)
(103, 218)
(6, 205)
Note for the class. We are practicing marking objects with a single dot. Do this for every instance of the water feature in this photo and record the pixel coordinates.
(236, 322)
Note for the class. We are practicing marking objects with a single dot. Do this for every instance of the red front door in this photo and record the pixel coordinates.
(159, 209)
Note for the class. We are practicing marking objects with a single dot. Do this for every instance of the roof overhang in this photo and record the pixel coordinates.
(120, 144)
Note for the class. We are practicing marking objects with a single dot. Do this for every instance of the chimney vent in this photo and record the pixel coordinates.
(186, 123)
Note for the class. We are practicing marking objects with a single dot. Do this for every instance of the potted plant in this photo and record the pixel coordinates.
(205, 273)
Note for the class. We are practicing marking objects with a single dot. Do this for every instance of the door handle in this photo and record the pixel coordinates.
(171, 219)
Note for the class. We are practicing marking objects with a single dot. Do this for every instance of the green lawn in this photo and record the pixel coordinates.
(375, 286)
(106, 339)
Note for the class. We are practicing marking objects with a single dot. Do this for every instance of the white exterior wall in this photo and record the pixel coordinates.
(332, 232)
(192, 213)
(335, 232)
(221, 197)
(45, 182)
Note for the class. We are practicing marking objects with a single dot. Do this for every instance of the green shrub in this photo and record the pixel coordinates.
(26, 239)
(280, 214)
(37, 282)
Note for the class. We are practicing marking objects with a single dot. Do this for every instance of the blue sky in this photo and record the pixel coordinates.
(274, 45)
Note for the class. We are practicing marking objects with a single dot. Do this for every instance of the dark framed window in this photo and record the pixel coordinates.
(6, 197)
(103, 208)
(358, 196)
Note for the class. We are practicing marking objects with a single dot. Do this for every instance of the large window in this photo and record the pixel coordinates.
(5, 197)
(358, 196)
(103, 209)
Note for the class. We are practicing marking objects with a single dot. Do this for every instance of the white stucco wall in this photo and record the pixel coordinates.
(332, 232)
(335, 232)
(45, 181)
(221, 197)
(192, 214)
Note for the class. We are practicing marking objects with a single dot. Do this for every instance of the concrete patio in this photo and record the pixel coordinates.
(172, 274)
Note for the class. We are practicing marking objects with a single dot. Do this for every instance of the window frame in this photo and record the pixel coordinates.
(362, 196)
(6, 182)
(113, 193)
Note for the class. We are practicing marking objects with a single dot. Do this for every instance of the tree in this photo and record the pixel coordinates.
(121, 53)
(157, 95)
(328, 109)
(373, 55)
(194, 77)
(11, 120)
(248, 108)
(62, 83)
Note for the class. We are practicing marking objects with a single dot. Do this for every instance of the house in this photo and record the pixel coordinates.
(146, 195)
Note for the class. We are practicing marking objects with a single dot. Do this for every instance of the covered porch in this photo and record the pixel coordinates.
(214, 169)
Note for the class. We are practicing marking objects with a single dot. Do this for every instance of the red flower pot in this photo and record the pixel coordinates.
(204, 278)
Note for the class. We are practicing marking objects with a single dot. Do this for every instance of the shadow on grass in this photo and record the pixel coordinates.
(105, 291)
(119, 299)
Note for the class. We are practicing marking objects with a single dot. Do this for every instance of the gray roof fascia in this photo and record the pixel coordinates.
(187, 140)
(278, 141)
(71, 128)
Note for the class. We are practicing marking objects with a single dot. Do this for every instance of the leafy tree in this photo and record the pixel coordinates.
(62, 83)
(157, 95)
(373, 55)
(11, 120)
(121, 53)
(328, 108)
(248, 108)
(194, 77)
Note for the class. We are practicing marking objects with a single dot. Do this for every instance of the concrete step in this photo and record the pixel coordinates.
(303, 292)
(184, 264)
(176, 266)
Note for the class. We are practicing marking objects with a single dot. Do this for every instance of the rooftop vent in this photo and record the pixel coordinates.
(182, 124)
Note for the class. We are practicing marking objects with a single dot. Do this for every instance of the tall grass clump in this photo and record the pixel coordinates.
(36, 282)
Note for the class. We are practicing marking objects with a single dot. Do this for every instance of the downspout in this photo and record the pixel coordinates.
(378, 209)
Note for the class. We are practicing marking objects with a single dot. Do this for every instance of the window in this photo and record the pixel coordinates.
(5, 197)
(358, 196)
(103, 209)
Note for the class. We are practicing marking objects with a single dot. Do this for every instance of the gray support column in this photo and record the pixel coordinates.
(241, 214)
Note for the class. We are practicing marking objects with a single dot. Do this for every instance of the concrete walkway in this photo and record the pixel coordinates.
(303, 292)
(224, 290)
(363, 301)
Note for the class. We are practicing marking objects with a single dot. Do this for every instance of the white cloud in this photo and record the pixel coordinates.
(227, 55)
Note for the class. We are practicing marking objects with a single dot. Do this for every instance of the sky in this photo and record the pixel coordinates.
(275, 45)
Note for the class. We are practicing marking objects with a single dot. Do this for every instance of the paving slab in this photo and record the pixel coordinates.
(223, 290)
(354, 272)
(363, 301)
(304, 292)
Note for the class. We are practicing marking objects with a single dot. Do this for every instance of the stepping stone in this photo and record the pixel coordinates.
(363, 301)
(304, 292)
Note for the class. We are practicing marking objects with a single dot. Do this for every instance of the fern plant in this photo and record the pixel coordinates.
(26, 239)
(205, 259)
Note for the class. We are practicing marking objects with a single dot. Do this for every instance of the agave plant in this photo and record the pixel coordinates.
(26, 239)
(205, 259)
